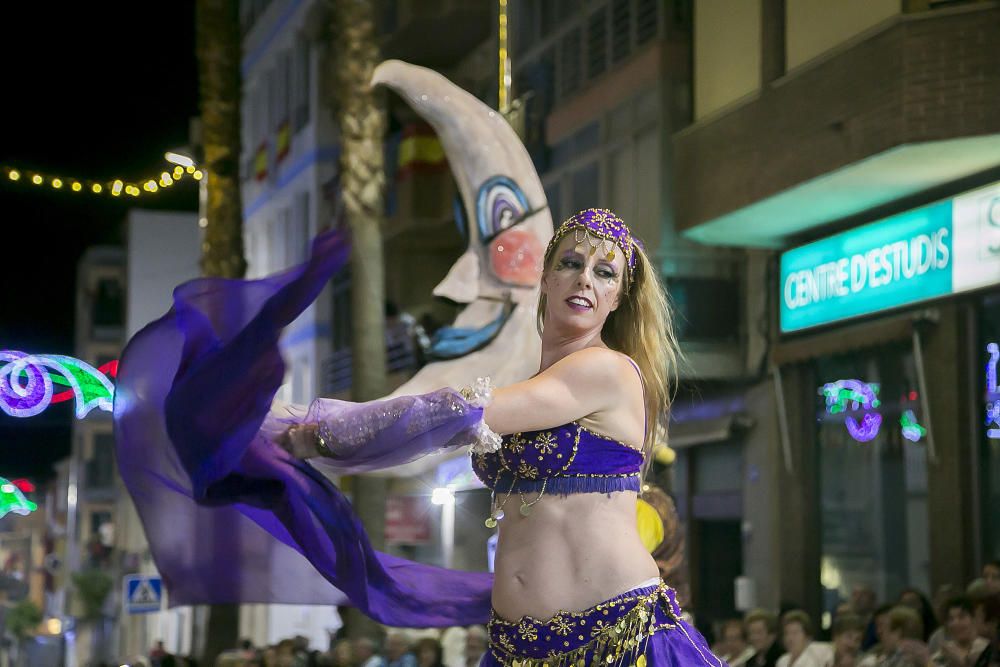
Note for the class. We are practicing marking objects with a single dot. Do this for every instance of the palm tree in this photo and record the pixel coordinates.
(361, 119)
(218, 49)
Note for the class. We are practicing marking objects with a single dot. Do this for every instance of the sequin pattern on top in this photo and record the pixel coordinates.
(566, 459)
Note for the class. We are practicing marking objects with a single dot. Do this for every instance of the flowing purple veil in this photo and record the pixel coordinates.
(231, 517)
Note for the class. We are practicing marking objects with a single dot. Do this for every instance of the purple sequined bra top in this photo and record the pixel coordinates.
(563, 460)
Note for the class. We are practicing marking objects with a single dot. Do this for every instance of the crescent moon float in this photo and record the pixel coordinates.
(509, 226)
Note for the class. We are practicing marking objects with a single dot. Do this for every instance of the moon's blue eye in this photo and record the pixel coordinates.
(499, 204)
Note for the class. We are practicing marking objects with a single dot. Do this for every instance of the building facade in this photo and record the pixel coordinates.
(850, 152)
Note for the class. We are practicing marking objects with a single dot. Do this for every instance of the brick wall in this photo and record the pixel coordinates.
(925, 77)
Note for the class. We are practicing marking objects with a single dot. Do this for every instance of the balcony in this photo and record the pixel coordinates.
(434, 33)
(902, 109)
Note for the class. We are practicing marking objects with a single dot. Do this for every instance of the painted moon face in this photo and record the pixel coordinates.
(515, 254)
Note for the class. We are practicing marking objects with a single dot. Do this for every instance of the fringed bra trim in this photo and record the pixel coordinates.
(570, 484)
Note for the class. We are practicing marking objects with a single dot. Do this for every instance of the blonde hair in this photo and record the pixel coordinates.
(642, 328)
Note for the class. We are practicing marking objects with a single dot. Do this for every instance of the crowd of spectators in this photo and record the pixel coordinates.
(959, 629)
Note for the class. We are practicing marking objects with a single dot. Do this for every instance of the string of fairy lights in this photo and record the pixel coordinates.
(183, 168)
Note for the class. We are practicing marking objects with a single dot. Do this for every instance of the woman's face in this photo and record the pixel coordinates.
(582, 288)
(795, 638)
(960, 625)
(911, 600)
(848, 642)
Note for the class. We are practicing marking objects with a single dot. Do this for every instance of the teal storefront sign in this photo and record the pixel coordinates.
(928, 252)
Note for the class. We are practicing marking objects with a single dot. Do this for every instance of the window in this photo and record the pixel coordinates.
(108, 309)
(586, 187)
(705, 309)
(99, 470)
(621, 30)
(525, 16)
(647, 20)
(989, 454)
(341, 287)
(284, 83)
(302, 86)
(569, 63)
(276, 241)
(297, 230)
(597, 43)
(873, 484)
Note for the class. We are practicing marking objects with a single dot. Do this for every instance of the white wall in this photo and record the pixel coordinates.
(163, 252)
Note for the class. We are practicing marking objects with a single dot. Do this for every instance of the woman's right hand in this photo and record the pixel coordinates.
(300, 441)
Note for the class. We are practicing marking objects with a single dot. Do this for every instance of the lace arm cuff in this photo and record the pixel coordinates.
(480, 394)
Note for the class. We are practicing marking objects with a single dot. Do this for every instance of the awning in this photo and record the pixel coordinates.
(850, 338)
(706, 431)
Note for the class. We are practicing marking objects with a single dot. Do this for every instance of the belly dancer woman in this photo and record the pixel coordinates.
(233, 512)
(574, 584)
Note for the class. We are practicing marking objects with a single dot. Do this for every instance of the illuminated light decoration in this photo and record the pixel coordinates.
(12, 500)
(992, 400)
(26, 384)
(197, 174)
(504, 78)
(912, 431)
(179, 159)
(115, 187)
(860, 395)
(24, 485)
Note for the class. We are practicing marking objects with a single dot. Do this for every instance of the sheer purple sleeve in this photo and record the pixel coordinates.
(229, 515)
(362, 437)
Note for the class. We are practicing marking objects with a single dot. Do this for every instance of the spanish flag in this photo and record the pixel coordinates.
(283, 142)
(260, 162)
(419, 150)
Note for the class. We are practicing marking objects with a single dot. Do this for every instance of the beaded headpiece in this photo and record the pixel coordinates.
(601, 230)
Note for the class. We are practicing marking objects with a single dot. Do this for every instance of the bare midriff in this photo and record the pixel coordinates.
(571, 553)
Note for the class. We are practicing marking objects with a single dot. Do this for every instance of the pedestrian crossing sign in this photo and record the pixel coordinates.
(142, 593)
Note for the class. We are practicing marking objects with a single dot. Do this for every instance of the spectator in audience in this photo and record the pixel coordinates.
(991, 575)
(919, 603)
(962, 646)
(397, 651)
(341, 654)
(903, 639)
(848, 630)
(429, 653)
(365, 653)
(475, 645)
(877, 653)
(987, 613)
(864, 602)
(732, 646)
(453, 646)
(762, 634)
(802, 651)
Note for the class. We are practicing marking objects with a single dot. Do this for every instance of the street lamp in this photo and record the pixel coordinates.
(445, 497)
(179, 159)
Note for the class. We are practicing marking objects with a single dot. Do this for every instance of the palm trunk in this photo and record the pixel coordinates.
(218, 47)
(361, 119)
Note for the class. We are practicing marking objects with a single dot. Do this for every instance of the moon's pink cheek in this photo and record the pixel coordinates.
(516, 258)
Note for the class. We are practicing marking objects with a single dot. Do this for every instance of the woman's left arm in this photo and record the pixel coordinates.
(580, 384)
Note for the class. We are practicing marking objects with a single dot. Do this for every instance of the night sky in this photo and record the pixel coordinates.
(90, 90)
